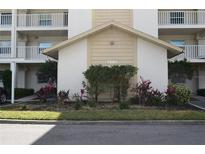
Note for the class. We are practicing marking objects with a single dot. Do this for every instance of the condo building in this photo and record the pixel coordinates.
(107, 37)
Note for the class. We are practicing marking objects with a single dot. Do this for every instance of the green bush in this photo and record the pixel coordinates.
(22, 92)
(91, 104)
(178, 95)
(133, 100)
(6, 79)
(102, 78)
(201, 92)
(124, 105)
(77, 105)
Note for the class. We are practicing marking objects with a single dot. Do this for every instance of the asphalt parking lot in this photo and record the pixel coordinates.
(104, 134)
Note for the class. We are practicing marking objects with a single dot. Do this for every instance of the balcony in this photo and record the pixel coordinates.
(28, 53)
(5, 20)
(5, 52)
(52, 20)
(193, 53)
(181, 18)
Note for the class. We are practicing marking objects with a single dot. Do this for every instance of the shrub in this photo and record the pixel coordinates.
(148, 95)
(178, 95)
(77, 105)
(180, 70)
(6, 79)
(91, 104)
(123, 105)
(22, 92)
(201, 92)
(63, 96)
(133, 100)
(48, 70)
(155, 98)
(101, 77)
(77, 102)
(46, 91)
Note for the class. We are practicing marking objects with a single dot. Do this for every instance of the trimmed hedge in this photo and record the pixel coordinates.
(201, 92)
(22, 92)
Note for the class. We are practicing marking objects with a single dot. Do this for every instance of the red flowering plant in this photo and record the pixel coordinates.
(171, 97)
(48, 90)
(146, 94)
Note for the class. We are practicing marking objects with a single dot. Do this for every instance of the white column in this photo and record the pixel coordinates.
(13, 33)
(13, 80)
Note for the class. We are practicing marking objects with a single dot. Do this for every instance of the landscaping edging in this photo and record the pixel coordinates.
(111, 122)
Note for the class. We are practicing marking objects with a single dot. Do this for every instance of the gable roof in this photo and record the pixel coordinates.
(172, 50)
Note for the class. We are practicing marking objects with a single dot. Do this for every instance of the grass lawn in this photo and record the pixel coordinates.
(132, 114)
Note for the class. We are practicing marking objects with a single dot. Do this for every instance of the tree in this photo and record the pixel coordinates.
(180, 70)
(48, 70)
(101, 78)
(6, 79)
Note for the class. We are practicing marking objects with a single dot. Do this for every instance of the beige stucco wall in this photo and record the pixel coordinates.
(146, 20)
(152, 64)
(81, 21)
(100, 16)
(71, 65)
(111, 46)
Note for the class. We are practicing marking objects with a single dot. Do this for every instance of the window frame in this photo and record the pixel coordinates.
(177, 17)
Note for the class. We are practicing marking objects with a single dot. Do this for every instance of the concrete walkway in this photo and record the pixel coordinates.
(26, 99)
(199, 102)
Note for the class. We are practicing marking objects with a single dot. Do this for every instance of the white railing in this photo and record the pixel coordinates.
(5, 52)
(181, 17)
(30, 53)
(43, 20)
(5, 20)
(191, 52)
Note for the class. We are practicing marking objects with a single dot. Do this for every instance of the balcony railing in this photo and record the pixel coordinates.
(5, 20)
(181, 17)
(191, 52)
(5, 52)
(24, 52)
(42, 20)
(30, 53)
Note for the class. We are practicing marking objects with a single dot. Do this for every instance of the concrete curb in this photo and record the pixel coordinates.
(136, 122)
(197, 106)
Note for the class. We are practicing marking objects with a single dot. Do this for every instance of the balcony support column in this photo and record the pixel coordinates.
(13, 81)
(13, 33)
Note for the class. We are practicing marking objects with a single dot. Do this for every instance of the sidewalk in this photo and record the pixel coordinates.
(104, 122)
(199, 102)
(26, 99)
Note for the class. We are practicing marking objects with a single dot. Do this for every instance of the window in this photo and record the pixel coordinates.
(177, 17)
(6, 18)
(179, 43)
(45, 20)
(44, 45)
